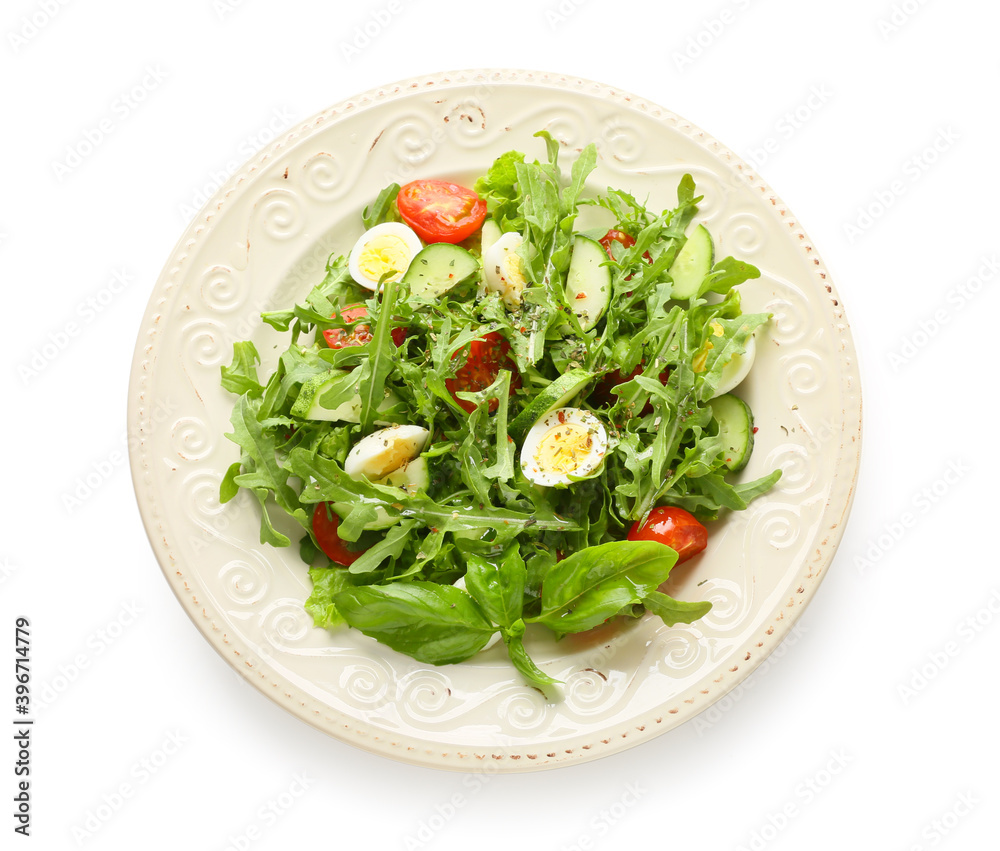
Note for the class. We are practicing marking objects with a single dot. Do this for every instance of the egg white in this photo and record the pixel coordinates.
(381, 249)
(737, 368)
(384, 452)
(502, 269)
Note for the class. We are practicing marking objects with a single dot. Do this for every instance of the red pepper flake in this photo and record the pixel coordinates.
(755, 429)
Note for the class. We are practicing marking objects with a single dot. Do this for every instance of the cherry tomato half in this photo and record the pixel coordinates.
(440, 211)
(486, 358)
(325, 524)
(674, 527)
(618, 236)
(341, 338)
(623, 239)
(602, 394)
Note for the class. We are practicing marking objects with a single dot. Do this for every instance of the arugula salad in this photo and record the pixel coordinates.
(487, 418)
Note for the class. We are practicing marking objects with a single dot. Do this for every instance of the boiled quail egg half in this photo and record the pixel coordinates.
(385, 248)
(502, 269)
(564, 446)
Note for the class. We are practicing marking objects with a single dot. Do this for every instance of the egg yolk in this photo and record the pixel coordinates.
(384, 254)
(395, 455)
(564, 448)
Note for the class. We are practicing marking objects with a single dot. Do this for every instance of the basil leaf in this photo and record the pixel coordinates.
(592, 585)
(513, 640)
(437, 624)
(498, 586)
(673, 611)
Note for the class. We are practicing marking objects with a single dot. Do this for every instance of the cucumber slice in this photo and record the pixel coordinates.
(588, 281)
(488, 235)
(333, 397)
(438, 267)
(692, 263)
(557, 395)
(411, 477)
(735, 421)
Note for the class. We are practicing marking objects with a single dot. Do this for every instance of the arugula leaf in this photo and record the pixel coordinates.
(241, 375)
(382, 208)
(726, 274)
(377, 368)
(262, 473)
(391, 546)
(436, 624)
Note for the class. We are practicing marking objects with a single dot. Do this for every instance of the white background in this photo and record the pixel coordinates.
(876, 728)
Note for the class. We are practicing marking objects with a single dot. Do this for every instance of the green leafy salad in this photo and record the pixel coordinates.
(487, 418)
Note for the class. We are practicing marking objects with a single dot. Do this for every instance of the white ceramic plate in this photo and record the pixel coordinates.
(262, 242)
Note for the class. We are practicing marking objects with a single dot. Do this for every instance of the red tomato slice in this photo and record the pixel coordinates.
(486, 358)
(440, 211)
(674, 527)
(325, 524)
(618, 236)
(341, 338)
(621, 238)
(602, 396)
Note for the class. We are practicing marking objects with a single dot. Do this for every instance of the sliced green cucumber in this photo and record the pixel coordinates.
(588, 281)
(411, 477)
(438, 267)
(735, 421)
(557, 395)
(489, 234)
(333, 397)
(692, 263)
